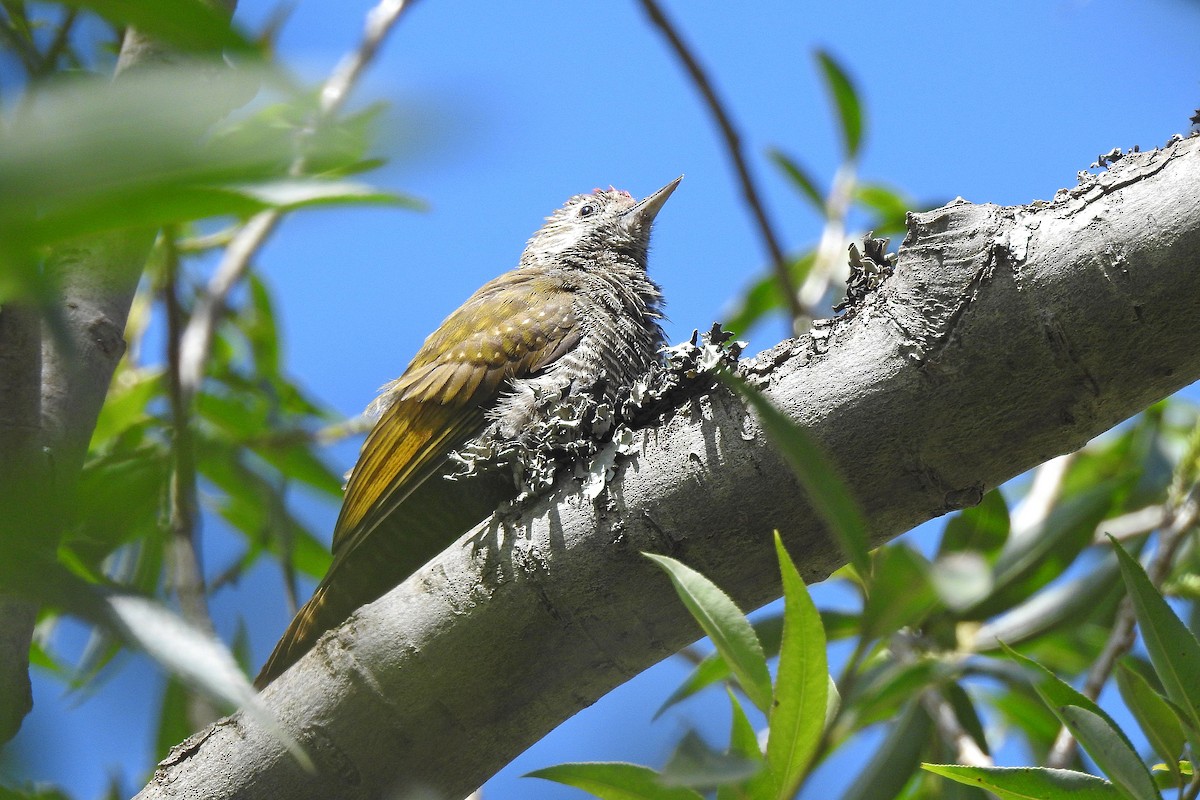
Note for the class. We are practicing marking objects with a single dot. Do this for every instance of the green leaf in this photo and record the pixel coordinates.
(713, 669)
(802, 180)
(697, 765)
(826, 490)
(743, 742)
(1030, 783)
(896, 759)
(891, 206)
(1172, 647)
(1065, 603)
(1155, 716)
(725, 624)
(797, 716)
(968, 716)
(845, 99)
(743, 739)
(1057, 693)
(1111, 751)
(1099, 734)
(615, 781)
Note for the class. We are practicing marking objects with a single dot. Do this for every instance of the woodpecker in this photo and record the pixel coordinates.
(579, 313)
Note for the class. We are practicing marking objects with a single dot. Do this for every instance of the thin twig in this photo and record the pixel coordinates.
(1121, 638)
(187, 574)
(49, 59)
(966, 750)
(196, 343)
(733, 145)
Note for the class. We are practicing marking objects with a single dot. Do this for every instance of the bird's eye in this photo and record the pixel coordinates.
(587, 210)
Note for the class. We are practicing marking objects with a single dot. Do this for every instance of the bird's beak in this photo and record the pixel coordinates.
(645, 210)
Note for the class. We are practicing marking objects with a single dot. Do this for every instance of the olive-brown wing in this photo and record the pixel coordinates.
(512, 327)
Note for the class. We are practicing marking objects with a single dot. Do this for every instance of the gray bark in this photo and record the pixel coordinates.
(1005, 337)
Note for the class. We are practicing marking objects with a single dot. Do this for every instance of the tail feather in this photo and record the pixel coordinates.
(435, 515)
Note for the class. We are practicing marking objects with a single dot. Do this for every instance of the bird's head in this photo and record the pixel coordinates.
(606, 220)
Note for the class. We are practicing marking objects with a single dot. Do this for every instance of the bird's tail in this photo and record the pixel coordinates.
(306, 627)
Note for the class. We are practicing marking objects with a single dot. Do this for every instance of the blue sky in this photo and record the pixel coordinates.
(500, 111)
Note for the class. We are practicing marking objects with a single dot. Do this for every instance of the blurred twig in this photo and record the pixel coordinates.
(733, 146)
(62, 37)
(187, 575)
(196, 343)
(1032, 511)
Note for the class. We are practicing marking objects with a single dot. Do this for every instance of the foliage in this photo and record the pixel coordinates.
(194, 150)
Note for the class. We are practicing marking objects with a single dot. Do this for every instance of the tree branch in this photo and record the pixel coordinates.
(1006, 336)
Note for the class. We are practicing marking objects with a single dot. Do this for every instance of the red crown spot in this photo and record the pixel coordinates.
(612, 189)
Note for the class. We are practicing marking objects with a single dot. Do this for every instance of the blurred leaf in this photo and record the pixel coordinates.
(885, 688)
(1064, 603)
(961, 579)
(713, 669)
(185, 24)
(1172, 647)
(1165, 775)
(1024, 783)
(156, 169)
(1155, 717)
(127, 403)
(764, 295)
(118, 500)
(292, 193)
(1021, 708)
(889, 205)
(839, 624)
(697, 765)
(982, 528)
(258, 322)
(743, 742)
(298, 462)
(968, 716)
(32, 792)
(845, 99)
(615, 781)
(725, 624)
(800, 178)
(1111, 751)
(797, 716)
(901, 593)
(173, 725)
(826, 491)
(196, 658)
(896, 759)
